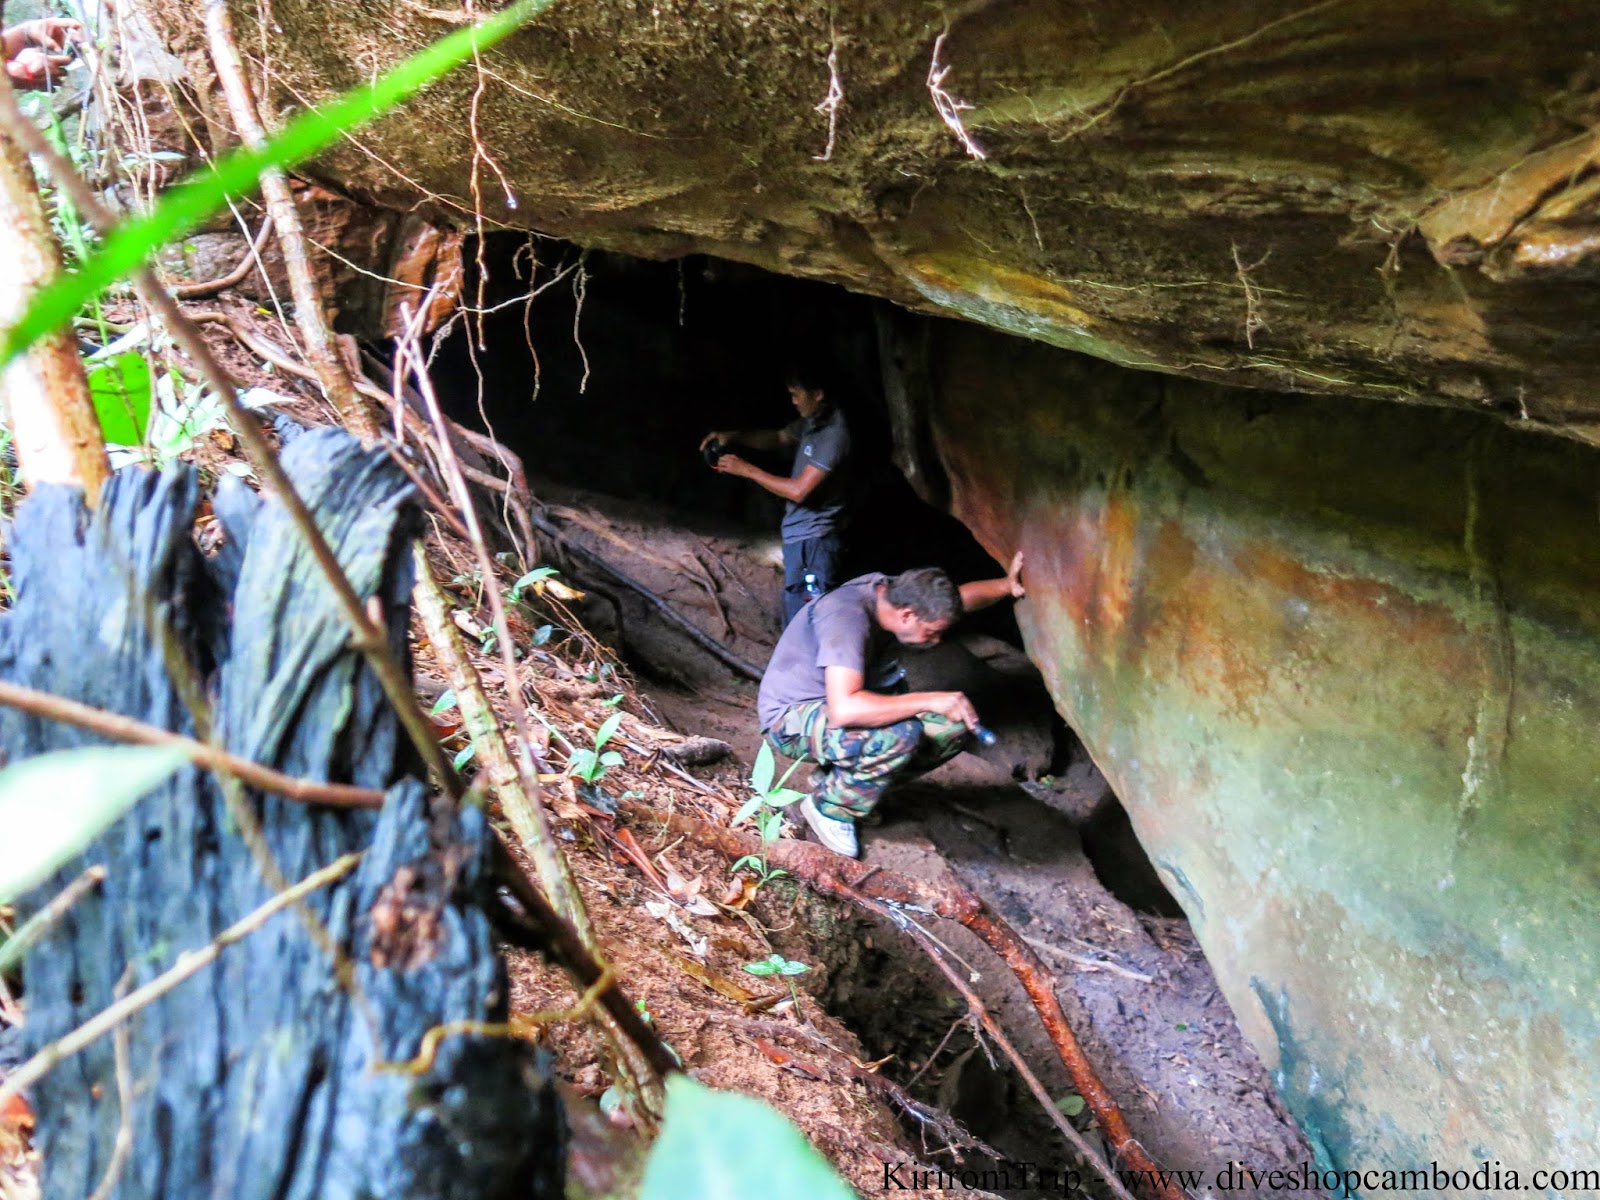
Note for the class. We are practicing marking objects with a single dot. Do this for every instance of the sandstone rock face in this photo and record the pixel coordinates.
(1338, 653)
(1391, 198)
(1341, 663)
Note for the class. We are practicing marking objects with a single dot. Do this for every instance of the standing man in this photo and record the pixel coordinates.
(834, 693)
(815, 516)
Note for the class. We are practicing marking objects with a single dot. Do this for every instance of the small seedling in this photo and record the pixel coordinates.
(787, 968)
(443, 704)
(590, 765)
(776, 964)
(765, 809)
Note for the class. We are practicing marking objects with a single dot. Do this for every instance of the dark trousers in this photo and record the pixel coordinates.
(819, 556)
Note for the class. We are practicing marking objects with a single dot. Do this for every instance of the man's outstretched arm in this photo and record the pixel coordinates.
(755, 439)
(794, 490)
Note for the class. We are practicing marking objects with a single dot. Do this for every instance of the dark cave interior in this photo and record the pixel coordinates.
(610, 376)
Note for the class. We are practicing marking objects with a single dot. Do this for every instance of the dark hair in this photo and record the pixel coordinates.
(808, 377)
(926, 591)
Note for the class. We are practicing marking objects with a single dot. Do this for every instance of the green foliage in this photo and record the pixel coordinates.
(120, 387)
(537, 575)
(591, 765)
(765, 809)
(1071, 1105)
(53, 805)
(776, 964)
(445, 702)
(182, 208)
(723, 1146)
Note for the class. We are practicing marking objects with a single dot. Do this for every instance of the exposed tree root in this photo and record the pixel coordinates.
(700, 636)
(859, 882)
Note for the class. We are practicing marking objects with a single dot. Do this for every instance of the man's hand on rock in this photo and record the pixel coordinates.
(1014, 576)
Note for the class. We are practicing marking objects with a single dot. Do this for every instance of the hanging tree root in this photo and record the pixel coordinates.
(979, 1012)
(855, 881)
(210, 287)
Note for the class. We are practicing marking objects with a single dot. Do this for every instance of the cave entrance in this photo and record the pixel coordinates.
(604, 372)
(608, 378)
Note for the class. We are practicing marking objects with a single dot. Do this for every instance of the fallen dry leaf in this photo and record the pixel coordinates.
(719, 984)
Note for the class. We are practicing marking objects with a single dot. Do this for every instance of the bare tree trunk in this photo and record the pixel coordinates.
(46, 396)
(336, 382)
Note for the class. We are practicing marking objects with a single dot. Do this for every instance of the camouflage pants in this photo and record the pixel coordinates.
(857, 765)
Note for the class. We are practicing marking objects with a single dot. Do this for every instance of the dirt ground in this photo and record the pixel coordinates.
(1135, 986)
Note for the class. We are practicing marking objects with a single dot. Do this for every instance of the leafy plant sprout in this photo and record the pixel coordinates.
(765, 809)
(786, 968)
(591, 765)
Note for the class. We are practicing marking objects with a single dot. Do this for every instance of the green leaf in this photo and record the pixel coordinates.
(724, 1146)
(444, 703)
(582, 762)
(766, 767)
(183, 207)
(1071, 1104)
(749, 860)
(120, 388)
(745, 809)
(790, 967)
(609, 727)
(614, 701)
(537, 575)
(763, 966)
(611, 758)
(542, 634)
(53, 805)
(783, 797)
(464, 755)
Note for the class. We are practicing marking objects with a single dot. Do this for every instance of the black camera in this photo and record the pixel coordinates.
(711, 452)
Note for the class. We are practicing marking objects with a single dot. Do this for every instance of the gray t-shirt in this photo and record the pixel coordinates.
(823, 441)
(836, 630)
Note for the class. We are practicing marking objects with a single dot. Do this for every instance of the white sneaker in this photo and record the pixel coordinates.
(838, 836)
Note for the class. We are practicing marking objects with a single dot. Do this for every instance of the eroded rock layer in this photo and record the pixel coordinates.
(1391, 198)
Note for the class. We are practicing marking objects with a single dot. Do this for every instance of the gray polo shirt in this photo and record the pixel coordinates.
(823, 441)
(839, 629)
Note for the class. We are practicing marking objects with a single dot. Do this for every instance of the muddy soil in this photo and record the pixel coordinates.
(1134, 983)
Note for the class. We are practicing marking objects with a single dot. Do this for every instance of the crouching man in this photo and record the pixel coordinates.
(834, 693)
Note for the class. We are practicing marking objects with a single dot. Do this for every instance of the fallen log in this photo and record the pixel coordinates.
(254, 1078)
